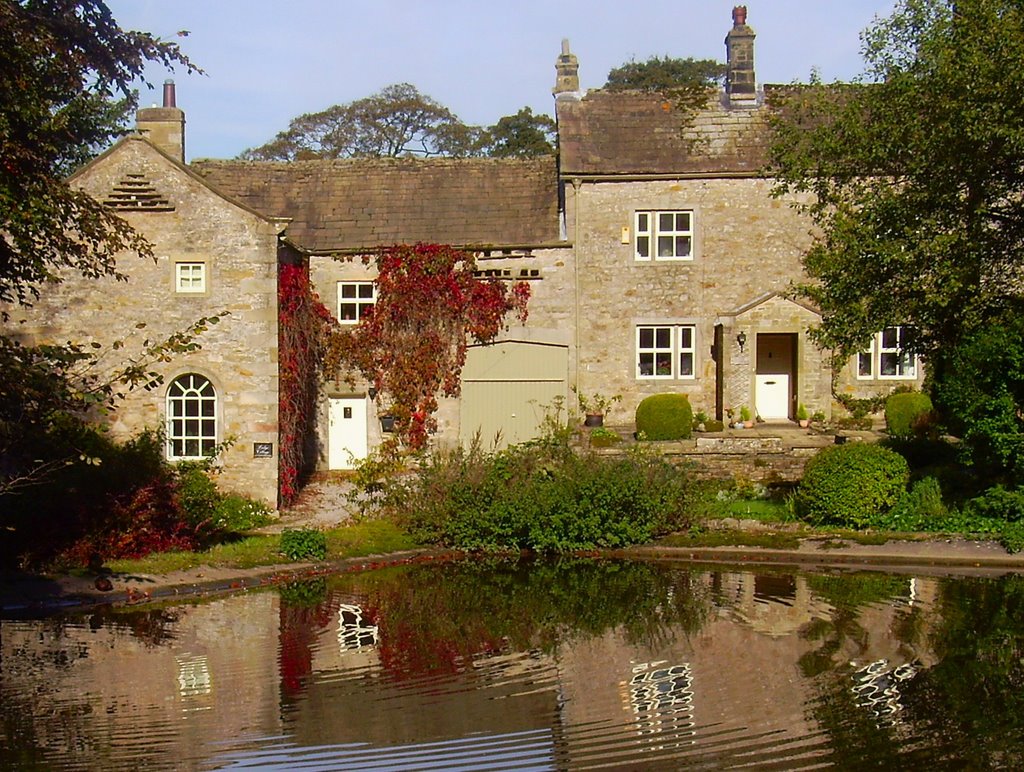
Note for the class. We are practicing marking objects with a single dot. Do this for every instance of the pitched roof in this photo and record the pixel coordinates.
(635, 132)
(350, 205)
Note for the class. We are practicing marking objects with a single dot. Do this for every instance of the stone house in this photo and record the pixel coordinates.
(684, 257)
(658, 261)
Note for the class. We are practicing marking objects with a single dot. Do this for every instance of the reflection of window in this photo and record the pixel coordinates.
(191, 417)
(663, 235)
(665, 351)
(661, 699)
(193, 675)
(354, 630)
(889, 355)
(190, 277)
(354, 298)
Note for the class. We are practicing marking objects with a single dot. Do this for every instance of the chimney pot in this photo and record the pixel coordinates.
(169, 93)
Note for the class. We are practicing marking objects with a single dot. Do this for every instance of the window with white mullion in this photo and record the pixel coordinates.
(895, 357)
(665, 351)
(889, 355)
(355, 298)
(663, 235)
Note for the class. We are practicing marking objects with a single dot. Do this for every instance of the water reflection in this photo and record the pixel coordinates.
(568, 665)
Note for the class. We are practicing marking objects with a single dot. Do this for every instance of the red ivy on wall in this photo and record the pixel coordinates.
(302, 324)
(412, 344)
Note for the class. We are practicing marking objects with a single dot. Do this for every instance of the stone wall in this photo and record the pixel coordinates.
(238, 355)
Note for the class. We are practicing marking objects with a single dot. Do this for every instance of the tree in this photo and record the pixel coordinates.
(523, 135)
(66, 71)
(665, 75)
(396, 121)
(412, 344)
(916, 177)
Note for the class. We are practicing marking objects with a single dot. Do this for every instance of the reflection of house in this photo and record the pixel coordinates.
(657, 258)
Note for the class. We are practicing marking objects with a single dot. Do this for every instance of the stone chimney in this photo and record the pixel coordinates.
(740, 84)
(164, 126)
(567, 74)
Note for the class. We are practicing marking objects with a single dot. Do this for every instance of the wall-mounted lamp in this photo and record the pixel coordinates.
(372, 392)
(742, 340)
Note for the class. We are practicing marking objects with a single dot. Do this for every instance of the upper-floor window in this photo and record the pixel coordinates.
(663, 235)
(190, 277)
(191, 417)
(890, 355)
(665, 351)
(354, 298)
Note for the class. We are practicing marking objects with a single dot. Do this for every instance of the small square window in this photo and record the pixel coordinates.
(190, 277)
(355, 298)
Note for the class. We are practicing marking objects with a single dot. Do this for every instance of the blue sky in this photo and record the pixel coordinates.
(268, 61)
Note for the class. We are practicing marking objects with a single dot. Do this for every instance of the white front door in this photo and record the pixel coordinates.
(773, 379)
(346, 441)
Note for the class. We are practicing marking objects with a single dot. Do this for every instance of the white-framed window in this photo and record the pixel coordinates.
(190, 277)
(663, 235)
(890, 355)
(354, 298)
(666, 351)
(191, 417)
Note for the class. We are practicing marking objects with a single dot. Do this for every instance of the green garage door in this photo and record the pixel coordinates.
(506, 388)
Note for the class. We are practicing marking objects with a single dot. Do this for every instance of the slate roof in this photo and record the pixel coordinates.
(351, 205)
(635, 132)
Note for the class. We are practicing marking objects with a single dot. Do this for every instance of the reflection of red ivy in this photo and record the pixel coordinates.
(302, 318)
(412, 344)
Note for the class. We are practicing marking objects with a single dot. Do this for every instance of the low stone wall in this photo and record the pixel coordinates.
(768, 460)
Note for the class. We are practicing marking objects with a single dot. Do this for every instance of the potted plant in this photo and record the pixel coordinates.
(745, 417)
(802, 416)
(595, 407)
(603, 438)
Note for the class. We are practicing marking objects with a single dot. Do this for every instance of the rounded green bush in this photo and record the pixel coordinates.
(903, 411)
(851, 485)
(665, 417)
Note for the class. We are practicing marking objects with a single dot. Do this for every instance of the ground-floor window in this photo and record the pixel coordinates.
(890, 355)
(665, 351)
(191, 417)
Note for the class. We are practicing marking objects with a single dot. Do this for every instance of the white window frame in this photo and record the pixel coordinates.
(190, 277)
(360, 301)
(191, 413)
(675, 344)
(889, 343)
(651, 227)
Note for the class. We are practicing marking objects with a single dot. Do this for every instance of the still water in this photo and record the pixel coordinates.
(499, 666)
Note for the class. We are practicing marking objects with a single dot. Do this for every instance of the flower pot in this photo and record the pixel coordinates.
(748, 424)
(594, 419)
(804, 423)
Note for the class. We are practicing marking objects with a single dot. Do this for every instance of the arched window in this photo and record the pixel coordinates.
(191, 417)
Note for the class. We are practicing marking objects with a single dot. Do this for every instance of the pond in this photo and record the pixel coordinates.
(575, 664)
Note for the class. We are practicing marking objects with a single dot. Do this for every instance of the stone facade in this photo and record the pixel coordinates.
(238, 249)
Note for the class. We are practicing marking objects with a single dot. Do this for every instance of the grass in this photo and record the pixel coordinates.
(351, 541)
(762, 510)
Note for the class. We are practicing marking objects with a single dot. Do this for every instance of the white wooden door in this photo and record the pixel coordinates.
(347, 438)
(774, 376)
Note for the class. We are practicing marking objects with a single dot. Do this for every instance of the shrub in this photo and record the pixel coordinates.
(998, 503)
(919, 509)
(665, 417)
(851, 485)
(906, 411)
(301, 543)
(541, 497)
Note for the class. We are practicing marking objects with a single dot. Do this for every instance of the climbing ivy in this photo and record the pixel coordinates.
(412, 344)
